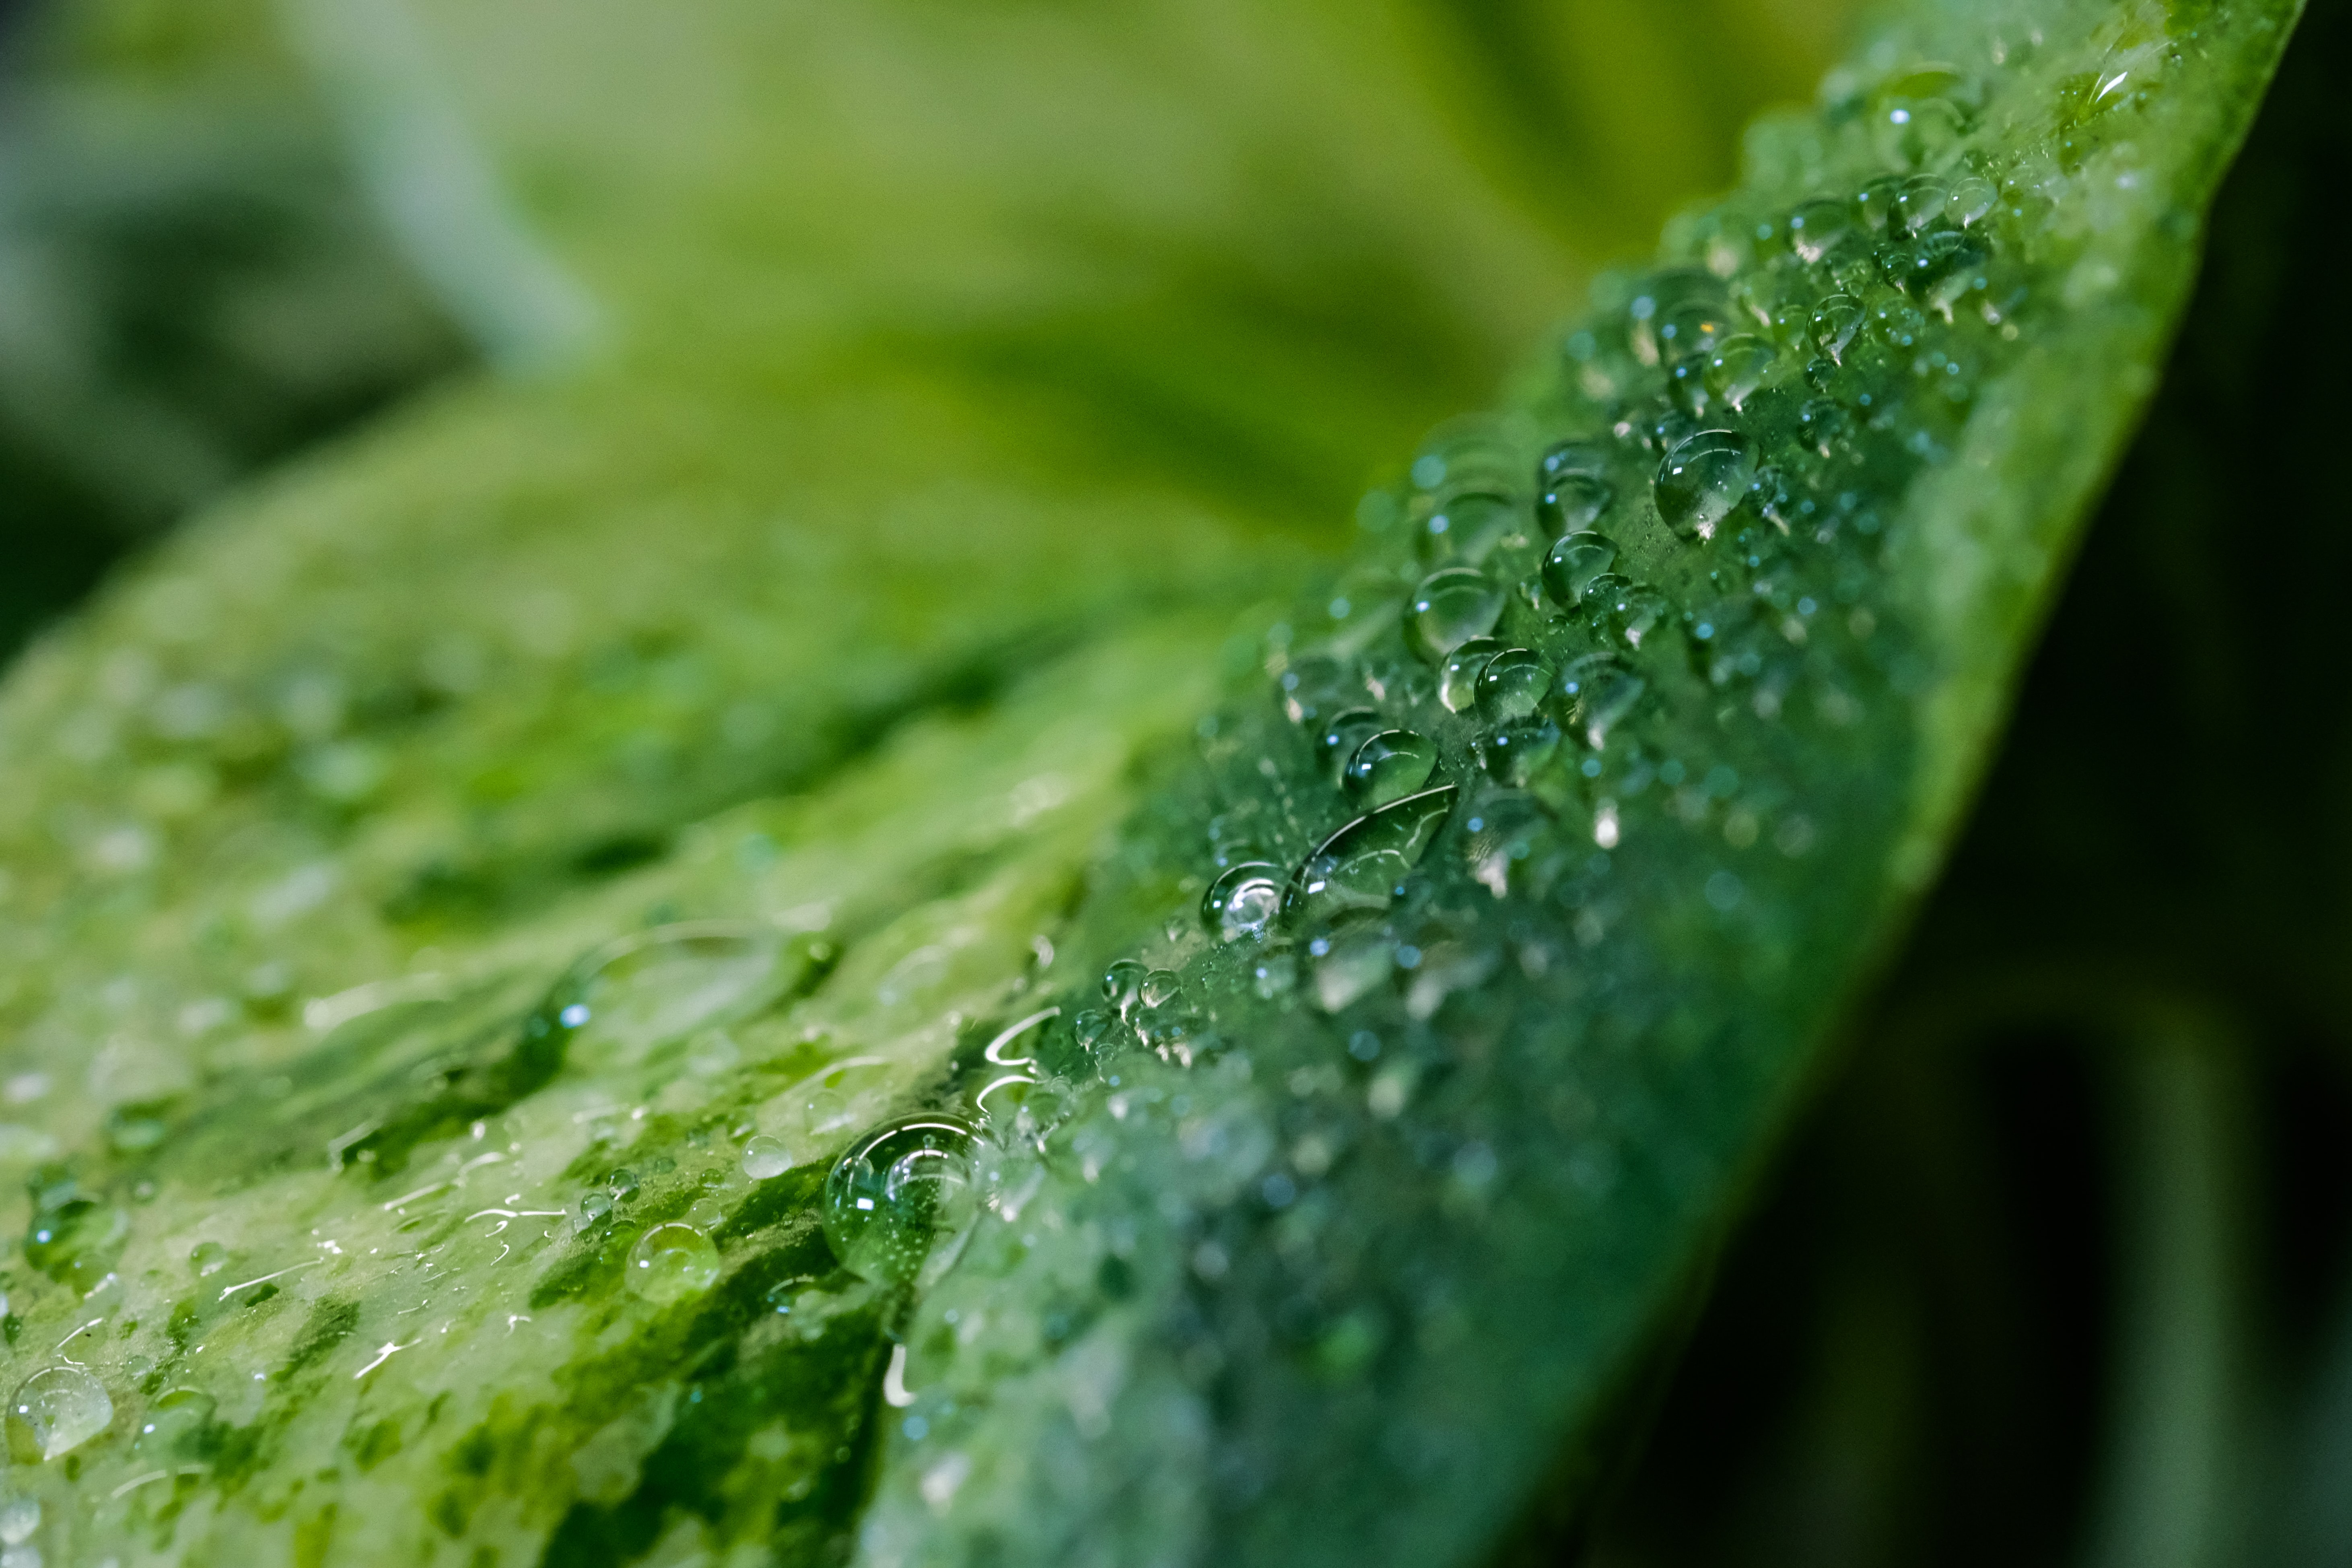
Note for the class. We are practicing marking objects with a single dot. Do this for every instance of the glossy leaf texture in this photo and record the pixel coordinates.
(484, 910)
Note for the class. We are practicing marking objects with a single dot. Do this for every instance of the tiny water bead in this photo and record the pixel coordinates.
(1818, 228)
(1458, 680)
(1243, 901)
(901, 1198)
(1340, 739)
(655, 986)
(1575, 560)
(1360, 867)
(764, 1157)
(54, 1412)
(1511, 686)
(1390, 766)
(1594, 694)
(1702, 479)
(1449, 608)
(671, 1262)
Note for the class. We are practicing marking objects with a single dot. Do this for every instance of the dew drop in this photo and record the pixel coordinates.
(1875, 204)
(1739, 367)
(672, 1262)
(1388, 766)
(1512, 754)
(1594, 694)
(1575, 560)
(1573, 500)
(838, 1097)
(1511, 686)
(1973, 196)
(1467, 526)
(1340, 739)
(1836, 322)
(54, 1412)
(1817, 229)
(1702, 479)
(1315, 686)
(1245, 901)
(899, 1200)
(1918, 203)
(653, 987)
(1122, 985)
(1360, 867)
(1449, 608)
(20, 1517)
(207, 1258)
(1565, 458)
(1692, 329)
(75, 1241)
(764, 1157)
(1638, 611)
(1458, 680)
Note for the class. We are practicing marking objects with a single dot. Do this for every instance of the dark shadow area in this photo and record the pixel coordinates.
(2070, 1240)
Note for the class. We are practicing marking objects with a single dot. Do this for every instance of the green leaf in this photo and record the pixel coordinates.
(463, 899)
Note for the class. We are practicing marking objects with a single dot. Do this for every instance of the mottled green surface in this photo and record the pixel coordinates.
(860, 605)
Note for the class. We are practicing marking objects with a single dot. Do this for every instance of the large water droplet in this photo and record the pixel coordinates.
(1702, 479)
(1739, 367)
(1594, 694)
(898, 1202)
(1511, 686)
(1243, 901)
(1340, 739)
(1458, 680)
(1467, 525)
(1836, 322)
(1918, 203)
(1448, 609)
(1817, 229)
(1574, 561)
(672, 1262)
(764, 1157)
(54, 1412)
(1389, 765)
(1573, 500)
(1360, 867)
(655, 986)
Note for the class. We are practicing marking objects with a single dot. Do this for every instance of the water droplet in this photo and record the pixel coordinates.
(1160, 987)
(672, 1262)
(1449, 608)
(764, 1157)
(207, 1258)
(1511, 686)
(1824, 424)
(591, 1212)
(1511, 755)
(1875, 204)
(655, 986)
(1739, 367)
(20, 1517)
(1243, 901)
(899, 1202)
(1457, 681)
(75, 1241)
(1565, 458)
(838, 1097)
(1818, 228)
(1702, 479)
(54, 1412)
(1973, 196)
(1465, 453)
(1316, 686)
(1467, 526)
(1920, 201)
(1596, 693)
(1574, 561)
(1573, 500)
(1836, 322)
(1637, 610)
(1340, 739)
(1360, 867)
(1388, 766)
(1122, 985)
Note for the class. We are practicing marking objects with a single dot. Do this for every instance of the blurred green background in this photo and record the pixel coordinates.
(2057, 1269)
